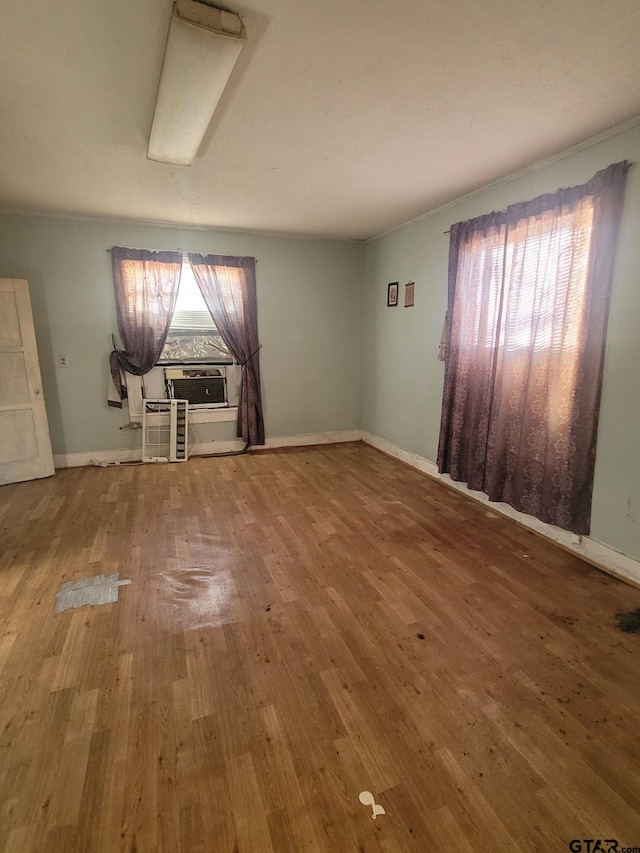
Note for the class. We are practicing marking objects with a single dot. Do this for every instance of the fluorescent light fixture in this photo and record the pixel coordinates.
(202, 48)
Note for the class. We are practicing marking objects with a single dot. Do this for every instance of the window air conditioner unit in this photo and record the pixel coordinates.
(201, 387)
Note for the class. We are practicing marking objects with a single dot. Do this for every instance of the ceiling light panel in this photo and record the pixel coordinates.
(203, 46)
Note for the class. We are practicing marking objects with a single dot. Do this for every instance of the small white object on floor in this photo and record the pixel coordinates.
(101, 589)
(367, 799)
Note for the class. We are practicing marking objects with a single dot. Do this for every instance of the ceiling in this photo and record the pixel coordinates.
(341, 119)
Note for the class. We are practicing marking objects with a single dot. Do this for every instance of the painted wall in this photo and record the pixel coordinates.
(402, 379)
(317, 321)
(309, 303)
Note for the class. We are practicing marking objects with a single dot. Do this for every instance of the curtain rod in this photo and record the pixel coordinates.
(138, 249)
(631, 165)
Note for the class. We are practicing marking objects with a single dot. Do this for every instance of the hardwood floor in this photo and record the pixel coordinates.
(302, 626)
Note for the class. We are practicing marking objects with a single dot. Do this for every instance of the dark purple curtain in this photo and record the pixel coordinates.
(228, 286)
(527, 316)
(146, 288)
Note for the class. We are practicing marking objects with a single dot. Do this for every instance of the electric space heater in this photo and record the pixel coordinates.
(165, 427)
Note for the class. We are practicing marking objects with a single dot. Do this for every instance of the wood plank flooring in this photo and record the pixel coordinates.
(302, 626)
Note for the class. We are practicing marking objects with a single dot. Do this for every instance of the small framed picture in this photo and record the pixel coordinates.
(392, 294)
(408, 294)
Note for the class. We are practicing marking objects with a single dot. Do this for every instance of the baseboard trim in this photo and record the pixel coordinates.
(116, 457)
(304, 439)
(104, 457)
(598, 555)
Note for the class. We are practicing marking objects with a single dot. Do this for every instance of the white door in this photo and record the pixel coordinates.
(25, 447)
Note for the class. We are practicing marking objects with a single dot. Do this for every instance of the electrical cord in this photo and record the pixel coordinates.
(99, 464)
(196, 443)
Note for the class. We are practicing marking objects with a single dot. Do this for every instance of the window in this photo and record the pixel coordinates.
(528, 303)
(146, 286)
(553, 267)
(191, 312)
(192, 336)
